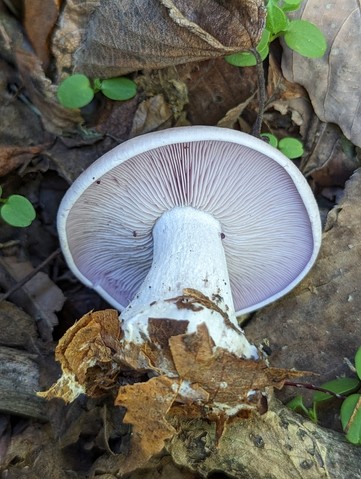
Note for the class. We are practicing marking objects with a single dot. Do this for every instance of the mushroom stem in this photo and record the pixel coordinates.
(188, 255)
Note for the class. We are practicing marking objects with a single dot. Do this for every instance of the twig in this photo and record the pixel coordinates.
(314, 388)
(29, 276)
(256, 130)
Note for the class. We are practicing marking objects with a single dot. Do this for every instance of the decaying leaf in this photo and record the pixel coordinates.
(39, 20)
(173, 374)
(230, 382)
(333, 80)
(288, 98)
(11, 157)
(40, 92)
(147, 405)
(151, 115)
(279, 444)
(233, 116)
(180, 32)
(86, 356)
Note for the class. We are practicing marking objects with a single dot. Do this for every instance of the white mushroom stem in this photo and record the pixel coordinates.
(188, 253)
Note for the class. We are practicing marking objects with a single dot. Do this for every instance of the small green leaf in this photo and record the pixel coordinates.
(351, 418)
(264, 42)
(118, 88)
(306, 39)
(75, 91)
(97, 84)
(272, 140)
(343, 386)
(291, 5)
(297, 404)
(358, 362)
(247, 59)
(312, 413)
(276, 20)
(17, 211)
(291, 147)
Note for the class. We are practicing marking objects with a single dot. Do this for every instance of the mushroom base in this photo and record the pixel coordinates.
(188, 282)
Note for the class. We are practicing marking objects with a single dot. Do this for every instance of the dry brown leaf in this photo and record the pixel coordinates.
(39, 20)
(232, 116)
(147, 405)
(11, 157)
(151, 115)
(333, 80)
(288, 98)
(94, 359)
(229, 380)
(214, 87)
(86, 354)
(153, 33)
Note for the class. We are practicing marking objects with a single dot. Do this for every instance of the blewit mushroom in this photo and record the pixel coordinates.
(194, 223)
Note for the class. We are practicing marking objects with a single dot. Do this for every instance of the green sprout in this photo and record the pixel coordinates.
(77, 90)
(16, 210)
(300, 35)
(347, 389)
(290, 147)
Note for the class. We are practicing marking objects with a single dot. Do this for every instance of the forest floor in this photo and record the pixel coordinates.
(44, 148)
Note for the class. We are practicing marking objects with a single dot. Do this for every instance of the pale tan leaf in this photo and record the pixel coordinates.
(333, 81)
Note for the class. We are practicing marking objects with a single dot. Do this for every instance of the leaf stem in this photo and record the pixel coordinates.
(314, 388)
(256, 130)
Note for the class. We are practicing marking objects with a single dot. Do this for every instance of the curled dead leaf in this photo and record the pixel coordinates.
(181, 32)
(86, 356)
(147, 405)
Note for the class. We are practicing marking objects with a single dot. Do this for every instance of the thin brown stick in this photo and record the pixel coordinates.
(29, 276)
(314, 388)
(256, 130)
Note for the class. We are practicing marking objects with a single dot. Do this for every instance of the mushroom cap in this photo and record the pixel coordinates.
(270, 221)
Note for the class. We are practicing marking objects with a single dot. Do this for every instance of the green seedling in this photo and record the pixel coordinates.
(346, 389)
(78, 90)
(300, 35)
(290, 147)
(16, 210)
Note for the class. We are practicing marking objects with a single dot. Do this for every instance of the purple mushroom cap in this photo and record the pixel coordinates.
(270, 222)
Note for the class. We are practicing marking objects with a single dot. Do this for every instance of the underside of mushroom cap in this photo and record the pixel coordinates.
(269, 219)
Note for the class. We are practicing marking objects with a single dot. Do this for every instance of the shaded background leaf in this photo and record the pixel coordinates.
(333, 81)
